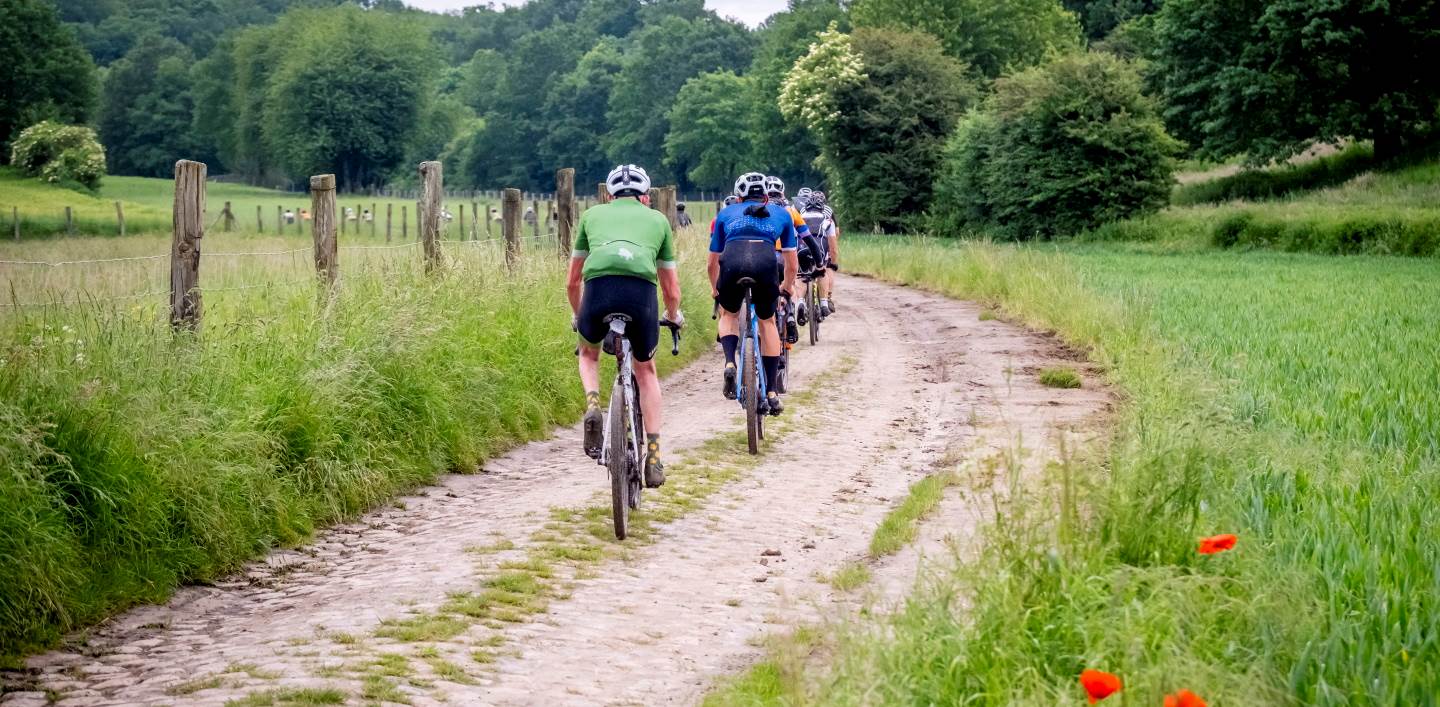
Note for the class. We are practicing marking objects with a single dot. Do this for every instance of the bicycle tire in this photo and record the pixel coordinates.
(813, 298)
(750, 383)
(619, 462)
(637, 470)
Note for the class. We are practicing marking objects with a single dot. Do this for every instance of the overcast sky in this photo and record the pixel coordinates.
(751, 12)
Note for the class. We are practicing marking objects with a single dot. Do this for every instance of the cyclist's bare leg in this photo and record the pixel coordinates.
(589, 367)
(648, 381)
(590, 378)
(769, 338)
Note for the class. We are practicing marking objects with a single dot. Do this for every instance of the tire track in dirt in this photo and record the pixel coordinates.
(660, 626)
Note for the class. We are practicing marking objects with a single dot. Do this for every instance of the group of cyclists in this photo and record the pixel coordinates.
(759, 241)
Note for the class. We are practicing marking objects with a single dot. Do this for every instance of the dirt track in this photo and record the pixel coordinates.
(923, 380)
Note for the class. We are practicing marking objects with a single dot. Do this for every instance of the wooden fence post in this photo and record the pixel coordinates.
(602, 194)
(389, 214)
(374, 216)
(229, 218)
(188, 228)
(120, 217)
(280, 220)
(259, 220)
(433, 176)
(474, 219)
(69, 222)
(667, 206)
(419, 226)
(535, 225)
(489, 223)
(15, 221)
(510, 223)
(322, 228)
(462, 222)
(565, 204)
(404, 222)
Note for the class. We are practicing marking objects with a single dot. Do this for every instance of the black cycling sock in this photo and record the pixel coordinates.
(652, 446)
(730, 344)
(772, 370)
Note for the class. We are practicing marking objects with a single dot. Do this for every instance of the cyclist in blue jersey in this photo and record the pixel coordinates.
(742, 245)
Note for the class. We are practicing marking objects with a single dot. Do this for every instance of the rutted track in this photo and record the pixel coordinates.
(924, 377)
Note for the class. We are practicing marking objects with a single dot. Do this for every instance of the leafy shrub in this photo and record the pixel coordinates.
(1377, 234)
(60, 154)
(881, 123)
(1056, 150)
(1268, 184)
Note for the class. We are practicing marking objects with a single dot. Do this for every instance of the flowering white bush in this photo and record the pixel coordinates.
(59, 154)
(807, 96)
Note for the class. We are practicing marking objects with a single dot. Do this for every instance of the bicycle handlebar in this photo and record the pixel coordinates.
(674, 335)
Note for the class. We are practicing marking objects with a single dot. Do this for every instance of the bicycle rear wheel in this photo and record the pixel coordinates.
(812, 297)
(619, 461)
(750, 382)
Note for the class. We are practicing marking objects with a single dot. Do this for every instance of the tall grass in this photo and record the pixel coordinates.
(1286, 399)
(135, 460)
(1255, 184)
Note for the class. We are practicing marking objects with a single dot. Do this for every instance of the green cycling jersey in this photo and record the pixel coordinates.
(624, 237)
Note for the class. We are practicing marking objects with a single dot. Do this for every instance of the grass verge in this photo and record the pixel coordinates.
(1267, 398)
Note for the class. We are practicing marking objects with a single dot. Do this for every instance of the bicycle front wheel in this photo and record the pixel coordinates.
(619, 465)
(750, 383)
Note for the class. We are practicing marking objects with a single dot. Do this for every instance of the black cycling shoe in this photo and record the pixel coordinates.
(800, 315)
(729, 387)
(594, 434)
(773, 406)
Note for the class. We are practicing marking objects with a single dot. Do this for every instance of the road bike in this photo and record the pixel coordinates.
(622, 452)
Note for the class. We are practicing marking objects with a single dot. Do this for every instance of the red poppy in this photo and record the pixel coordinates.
(1184, 698)
(1099, 684)
(1217, 543)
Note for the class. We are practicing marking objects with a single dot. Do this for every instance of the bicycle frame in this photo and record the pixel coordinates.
(625, 375)
(752, 338)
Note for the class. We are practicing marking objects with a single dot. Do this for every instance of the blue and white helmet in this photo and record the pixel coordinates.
(750, 185)
(627, 180)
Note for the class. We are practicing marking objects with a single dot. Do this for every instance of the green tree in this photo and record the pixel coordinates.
(1101, 17)
(660, 59)
(45, 75)
(992, 36)
(575, 114)
(348, 96)
(1266, 77)
(1057, 149)
(779, 146)
(146, 109)
(881, 123)
(704, 143)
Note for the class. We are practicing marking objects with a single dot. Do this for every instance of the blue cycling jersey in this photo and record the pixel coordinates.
(733, 224)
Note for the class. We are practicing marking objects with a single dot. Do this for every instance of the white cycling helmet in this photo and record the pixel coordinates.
(732, 200)
(750, 185)
(627, 180)
(774, 187)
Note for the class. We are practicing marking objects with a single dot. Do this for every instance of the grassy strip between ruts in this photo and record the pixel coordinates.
(778, 677)
(568, 548)
(137, 460)
(1330, 598)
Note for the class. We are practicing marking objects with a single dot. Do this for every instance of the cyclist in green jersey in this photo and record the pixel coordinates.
(622, 250)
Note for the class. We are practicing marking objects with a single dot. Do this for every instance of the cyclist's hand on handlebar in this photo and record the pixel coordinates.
(678, 319)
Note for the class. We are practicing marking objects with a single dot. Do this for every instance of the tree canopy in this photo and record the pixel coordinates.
(46, 74)
(1265, 78)
(992, 36)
